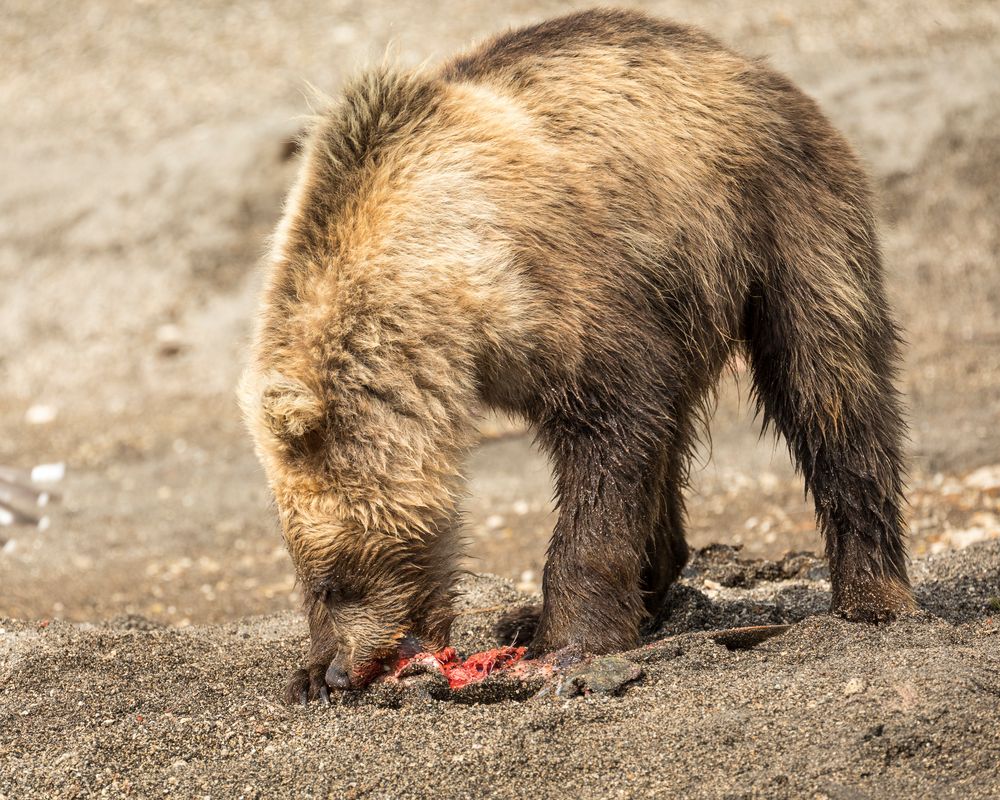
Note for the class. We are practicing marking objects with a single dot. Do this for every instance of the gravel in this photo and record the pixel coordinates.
(825, 709)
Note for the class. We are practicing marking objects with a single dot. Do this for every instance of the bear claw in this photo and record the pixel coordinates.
(307, 684)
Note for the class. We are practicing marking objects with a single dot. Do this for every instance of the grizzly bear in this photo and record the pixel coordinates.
(578, 223)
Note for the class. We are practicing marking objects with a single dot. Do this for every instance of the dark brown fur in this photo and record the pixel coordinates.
(580, 223)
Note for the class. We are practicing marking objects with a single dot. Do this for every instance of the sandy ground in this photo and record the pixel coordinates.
(142, 156)
(826, 710)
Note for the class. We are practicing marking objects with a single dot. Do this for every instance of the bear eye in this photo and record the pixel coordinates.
(341, 594)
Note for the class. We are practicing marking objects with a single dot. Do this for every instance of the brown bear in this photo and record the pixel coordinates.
(580, 223)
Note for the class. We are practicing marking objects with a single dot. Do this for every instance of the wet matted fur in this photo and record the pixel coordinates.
(579, 223)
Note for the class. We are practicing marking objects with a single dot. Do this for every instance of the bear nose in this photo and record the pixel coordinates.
(337, 678)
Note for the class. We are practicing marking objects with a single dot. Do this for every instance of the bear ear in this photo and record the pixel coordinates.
(291, 409)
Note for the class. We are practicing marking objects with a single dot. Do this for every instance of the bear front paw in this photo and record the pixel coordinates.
(308, 683)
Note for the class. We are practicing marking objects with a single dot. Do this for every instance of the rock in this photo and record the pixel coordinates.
(603, 675)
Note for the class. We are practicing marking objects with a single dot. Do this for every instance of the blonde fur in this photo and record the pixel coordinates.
(578, 222)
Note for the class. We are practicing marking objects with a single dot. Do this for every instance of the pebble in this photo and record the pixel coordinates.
(527, 583)
(41, 414)
(169, 340)
(493, 522)
(48, 473)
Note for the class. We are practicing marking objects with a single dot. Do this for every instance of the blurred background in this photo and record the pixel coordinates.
(144, 155)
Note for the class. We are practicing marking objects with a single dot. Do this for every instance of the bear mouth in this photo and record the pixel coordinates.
(365, 673)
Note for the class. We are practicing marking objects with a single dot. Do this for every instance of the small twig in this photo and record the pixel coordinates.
(747, 637)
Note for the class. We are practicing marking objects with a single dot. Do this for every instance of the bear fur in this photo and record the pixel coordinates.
(580, 223)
